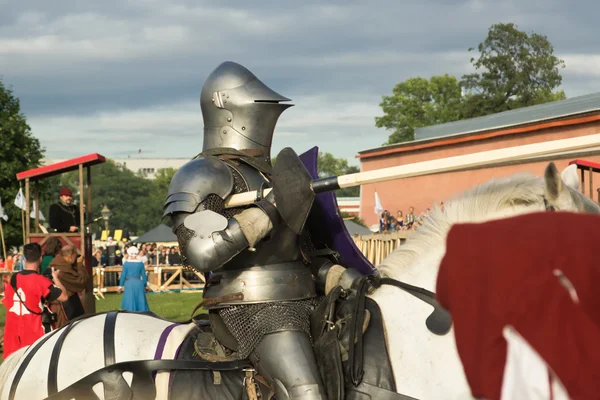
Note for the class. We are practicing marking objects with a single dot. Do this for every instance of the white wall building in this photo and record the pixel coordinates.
(147, 166)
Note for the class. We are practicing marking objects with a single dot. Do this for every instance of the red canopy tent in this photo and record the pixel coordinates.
(80, 239)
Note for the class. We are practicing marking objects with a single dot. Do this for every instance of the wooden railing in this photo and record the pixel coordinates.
(375, 247)
(160, 279)
(378, 246)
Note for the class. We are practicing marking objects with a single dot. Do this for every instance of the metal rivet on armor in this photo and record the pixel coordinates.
(243, 128)
(229, 119)
(224, 101)
(224, 130)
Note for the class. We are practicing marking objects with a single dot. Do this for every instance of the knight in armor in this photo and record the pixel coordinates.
(260, 290)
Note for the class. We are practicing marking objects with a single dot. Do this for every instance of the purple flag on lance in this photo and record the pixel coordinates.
(326, 224)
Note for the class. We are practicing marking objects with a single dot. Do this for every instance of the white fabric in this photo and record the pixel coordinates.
(32, 213)
(526, 375)
(174, 341)
(378, 206)
(254, 223)
(2, 212)
(133, 251)
(20, 200)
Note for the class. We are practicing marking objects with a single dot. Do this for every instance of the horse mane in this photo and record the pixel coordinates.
(473, 205)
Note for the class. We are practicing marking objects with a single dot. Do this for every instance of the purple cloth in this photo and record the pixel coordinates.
(327, 226)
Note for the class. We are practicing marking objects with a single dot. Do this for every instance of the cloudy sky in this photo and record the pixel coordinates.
(116, 76)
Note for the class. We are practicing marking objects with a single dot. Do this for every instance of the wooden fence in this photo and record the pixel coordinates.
(378, 246)
(161, 278)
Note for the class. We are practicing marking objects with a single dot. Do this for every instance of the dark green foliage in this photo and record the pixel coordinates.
(419, 102)
(517, 70)
(19, 151)
(328, 165)
(134, 201)
(514, 69)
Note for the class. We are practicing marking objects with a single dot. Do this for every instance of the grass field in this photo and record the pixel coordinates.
(171, 306)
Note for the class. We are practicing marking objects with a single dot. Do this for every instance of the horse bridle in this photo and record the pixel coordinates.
(549, 207)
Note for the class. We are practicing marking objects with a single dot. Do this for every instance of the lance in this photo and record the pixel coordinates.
(294, 188)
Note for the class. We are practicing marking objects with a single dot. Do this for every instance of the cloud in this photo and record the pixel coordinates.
(176, 130)
(121, 73)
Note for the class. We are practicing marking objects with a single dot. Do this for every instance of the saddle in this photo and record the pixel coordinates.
(348, 341)
(350, 346)
(201, 346)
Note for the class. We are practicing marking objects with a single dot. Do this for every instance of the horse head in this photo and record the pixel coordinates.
(562, 191)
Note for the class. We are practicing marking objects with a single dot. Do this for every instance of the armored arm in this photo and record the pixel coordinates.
(207, 237)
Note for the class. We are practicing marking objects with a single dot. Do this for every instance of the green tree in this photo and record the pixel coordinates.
(135, 205)
(19, 151)
(328, 165)
(161, 184)
(517, 70)
(419, 102)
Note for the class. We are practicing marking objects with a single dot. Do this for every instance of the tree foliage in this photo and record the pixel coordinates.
(517, 70)
(19, 151)
(328, 165)
(419, 102)
(135, 202)
(514, 69)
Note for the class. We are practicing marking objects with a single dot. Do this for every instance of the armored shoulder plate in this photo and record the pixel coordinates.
(196, 181)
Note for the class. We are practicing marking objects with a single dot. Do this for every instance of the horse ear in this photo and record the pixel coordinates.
(553, 182)
(570, 177)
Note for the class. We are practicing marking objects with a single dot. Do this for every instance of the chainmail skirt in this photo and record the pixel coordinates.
(249, 323)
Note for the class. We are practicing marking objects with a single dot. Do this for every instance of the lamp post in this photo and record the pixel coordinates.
(105, 216)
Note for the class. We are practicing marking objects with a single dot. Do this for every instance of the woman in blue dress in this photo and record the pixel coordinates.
(133, 282)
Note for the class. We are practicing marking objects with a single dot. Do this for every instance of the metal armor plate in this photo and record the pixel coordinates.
(195, 181)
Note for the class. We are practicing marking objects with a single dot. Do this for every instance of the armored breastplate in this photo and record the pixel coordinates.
(272, 271)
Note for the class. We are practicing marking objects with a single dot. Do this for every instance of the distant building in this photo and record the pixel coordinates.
(148, 167)
(350, 205)
(574, 117)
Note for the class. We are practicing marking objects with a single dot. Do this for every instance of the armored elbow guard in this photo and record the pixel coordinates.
(213, 241)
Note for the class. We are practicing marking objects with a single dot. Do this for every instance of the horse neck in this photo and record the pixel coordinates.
(425, 248)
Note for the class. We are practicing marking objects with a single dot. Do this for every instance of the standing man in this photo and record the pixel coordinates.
(23, 316)
(246, 249)
(73, 276)
(64, 215)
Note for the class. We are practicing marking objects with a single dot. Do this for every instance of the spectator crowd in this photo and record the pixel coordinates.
(403, 222)
(111, 254)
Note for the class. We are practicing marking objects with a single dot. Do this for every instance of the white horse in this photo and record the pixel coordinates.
(425, 366)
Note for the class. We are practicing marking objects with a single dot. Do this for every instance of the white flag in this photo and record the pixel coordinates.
(20, 200)
(2, 212)
(32, 213)
(378, 206)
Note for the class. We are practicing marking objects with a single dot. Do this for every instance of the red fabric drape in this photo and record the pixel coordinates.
(500, 273)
